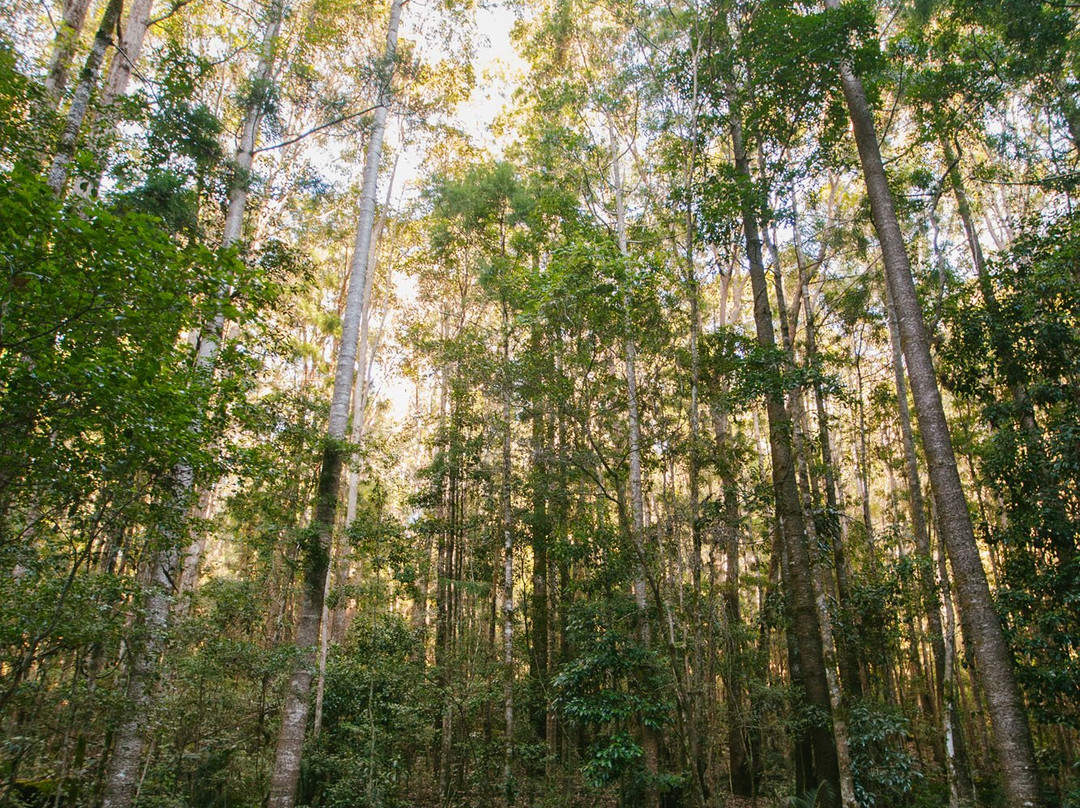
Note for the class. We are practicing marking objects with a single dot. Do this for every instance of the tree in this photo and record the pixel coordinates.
(982, 627)
(317, 542)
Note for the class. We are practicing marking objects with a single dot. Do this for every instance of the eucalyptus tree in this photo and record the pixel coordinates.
(982, 626)
(164, 559)
(745, 84)
(317, 544)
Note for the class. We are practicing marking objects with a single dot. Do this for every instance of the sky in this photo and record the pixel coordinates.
(497, 68)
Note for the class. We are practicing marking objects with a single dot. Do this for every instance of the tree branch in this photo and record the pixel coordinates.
(318, 128)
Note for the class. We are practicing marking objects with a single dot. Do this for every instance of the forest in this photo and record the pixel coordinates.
(539, 404)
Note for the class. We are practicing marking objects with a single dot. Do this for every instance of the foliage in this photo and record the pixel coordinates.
(886, 773)
(379, 717)
(1016, 355)
(613, 684)
(502, 283)
(26, 126)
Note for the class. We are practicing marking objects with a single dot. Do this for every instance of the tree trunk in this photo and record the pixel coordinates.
(803, 606)
(122, 776)
(637, 502)
(64, 47)
(850, 665)
(239, 192)
(507, 517)
(540, 531)
(286, 772)
(339, 618)
(744, 739)
(80, 102)
(981, 625)
(130, 48)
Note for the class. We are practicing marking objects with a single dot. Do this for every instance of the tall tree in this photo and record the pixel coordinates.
(981, 624)
(319, 539)
(164, 563)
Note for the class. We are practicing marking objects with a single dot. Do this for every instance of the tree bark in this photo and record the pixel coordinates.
(286, 772)
(64, 47)
(803, 607)
(981, 625)
(80, 101)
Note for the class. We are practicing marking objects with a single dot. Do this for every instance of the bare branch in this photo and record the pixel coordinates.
(318, 128)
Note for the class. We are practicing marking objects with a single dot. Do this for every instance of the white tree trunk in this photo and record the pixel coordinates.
(80, 101)
(128, 51)
(637, 502)
(239, 193)
(286, 773)
(64, 47)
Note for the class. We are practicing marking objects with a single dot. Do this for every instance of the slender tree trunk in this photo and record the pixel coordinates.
(699, 716)
(363, 362)
(982, 627)
(507, 518)
(239, 193)
(64, 47)
(80, 101)
(122, 778)
(850, 665)
(744, 739)
(286, 771)
(961, 789)
(343, 567)
(637, 502)
(861, 448)
(540, 530)
(797, 419)
(802, 603)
